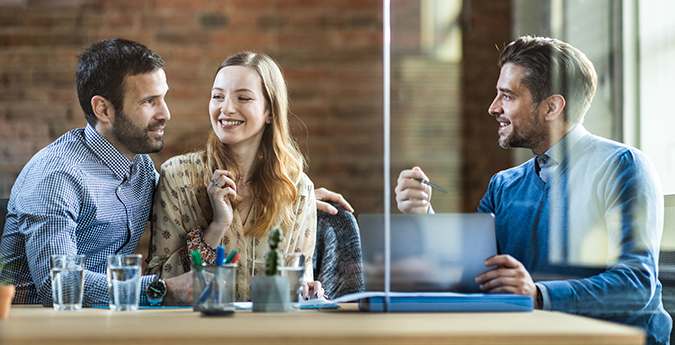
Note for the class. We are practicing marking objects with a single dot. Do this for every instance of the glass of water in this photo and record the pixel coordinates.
(67, 273)
(124, 281)
(293, 267)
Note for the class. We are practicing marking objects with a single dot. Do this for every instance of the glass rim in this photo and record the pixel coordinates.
(67, 256)
(124, 255)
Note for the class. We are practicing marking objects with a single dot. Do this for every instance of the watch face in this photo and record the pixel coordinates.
(156, 290)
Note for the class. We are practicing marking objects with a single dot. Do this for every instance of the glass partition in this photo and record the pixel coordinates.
(443, 62)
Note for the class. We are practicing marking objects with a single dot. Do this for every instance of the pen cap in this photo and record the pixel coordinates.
(196, 258)
(220, 255)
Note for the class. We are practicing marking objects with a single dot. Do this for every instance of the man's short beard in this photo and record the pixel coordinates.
(528, 140)
(135, 138)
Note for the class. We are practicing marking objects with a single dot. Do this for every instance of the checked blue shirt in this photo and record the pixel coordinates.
(79, 195)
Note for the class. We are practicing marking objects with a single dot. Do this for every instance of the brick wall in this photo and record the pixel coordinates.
(329, 50)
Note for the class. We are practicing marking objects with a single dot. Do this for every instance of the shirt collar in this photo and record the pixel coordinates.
(559, 150)
(118, 163)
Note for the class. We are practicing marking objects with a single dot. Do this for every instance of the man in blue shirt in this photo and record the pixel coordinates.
(90, 191)
(584, 217)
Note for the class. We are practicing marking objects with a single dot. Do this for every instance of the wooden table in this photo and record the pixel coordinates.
(38, 325)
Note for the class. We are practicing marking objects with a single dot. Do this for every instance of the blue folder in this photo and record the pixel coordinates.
(448, 302)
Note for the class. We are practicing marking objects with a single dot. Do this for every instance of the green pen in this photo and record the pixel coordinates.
(231, 256)
(196, 259)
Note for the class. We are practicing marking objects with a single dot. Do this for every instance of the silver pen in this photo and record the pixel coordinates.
(430, 184)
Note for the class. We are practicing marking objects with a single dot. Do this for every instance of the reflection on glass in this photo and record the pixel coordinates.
(426, 77)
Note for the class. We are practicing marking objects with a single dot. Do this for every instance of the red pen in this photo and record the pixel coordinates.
(236, 257)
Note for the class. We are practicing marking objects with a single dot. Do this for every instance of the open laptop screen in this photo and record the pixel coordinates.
(429, 252)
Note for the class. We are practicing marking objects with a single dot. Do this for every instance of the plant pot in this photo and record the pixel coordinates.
(6, 295)
(271, 294)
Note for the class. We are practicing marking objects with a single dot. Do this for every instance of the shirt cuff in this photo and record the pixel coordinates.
(545, 296)
(145, 281)
(195, 241)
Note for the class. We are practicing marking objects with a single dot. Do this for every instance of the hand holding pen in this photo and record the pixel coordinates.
(413, 191)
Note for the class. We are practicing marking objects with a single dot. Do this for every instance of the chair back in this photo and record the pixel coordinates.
(338, 262)
(3, 214)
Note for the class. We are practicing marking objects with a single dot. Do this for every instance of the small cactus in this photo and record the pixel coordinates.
(273, 260)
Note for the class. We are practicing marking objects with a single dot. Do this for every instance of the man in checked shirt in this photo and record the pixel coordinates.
(90, 191)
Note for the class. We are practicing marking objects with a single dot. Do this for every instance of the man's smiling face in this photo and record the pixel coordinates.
(521, 123)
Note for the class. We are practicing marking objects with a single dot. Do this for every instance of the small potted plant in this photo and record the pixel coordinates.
(272, 291)
(6, 294)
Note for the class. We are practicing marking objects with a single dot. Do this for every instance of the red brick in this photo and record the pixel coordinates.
(243, 40)
(180, 4)
(15, 77)
(241, 5)
(53, 77)
(359, 39)
(63, 94)
(20, 149)
(9, 59)
(12, 17)
(245, 19)
(128, 4)
(307, 39)
(299, 4)
(91, 20)
(57, 4)
(117, 19)
(173, 20)
(370, 5)
(22, 110)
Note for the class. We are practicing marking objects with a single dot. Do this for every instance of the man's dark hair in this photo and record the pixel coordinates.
(103, 66)
(554, 67)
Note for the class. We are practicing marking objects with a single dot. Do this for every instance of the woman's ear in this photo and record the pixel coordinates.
(269, 117)
(103, 109)
(555, 105)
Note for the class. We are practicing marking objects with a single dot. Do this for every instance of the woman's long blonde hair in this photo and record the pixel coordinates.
(279, 162)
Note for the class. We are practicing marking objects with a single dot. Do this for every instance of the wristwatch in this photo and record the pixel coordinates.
(156, 291)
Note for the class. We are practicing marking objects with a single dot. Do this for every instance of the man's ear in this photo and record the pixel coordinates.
(554, 106)
(103, 109)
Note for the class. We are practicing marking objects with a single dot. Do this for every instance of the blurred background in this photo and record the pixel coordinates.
(444, 71)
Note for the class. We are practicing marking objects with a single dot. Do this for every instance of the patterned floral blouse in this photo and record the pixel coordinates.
(179, 220)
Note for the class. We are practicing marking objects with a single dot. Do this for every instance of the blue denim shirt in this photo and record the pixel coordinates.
(79, 195)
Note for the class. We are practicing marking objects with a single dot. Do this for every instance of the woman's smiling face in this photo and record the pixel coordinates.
(237, 108)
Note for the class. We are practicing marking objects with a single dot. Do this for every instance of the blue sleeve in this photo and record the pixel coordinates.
(633, 212)
(487, 204)
(48, 210)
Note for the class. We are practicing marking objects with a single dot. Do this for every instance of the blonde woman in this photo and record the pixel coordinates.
(249, 179)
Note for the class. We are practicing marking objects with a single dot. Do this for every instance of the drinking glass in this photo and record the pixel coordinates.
(67, 273)
(124, 281)
(293, 267)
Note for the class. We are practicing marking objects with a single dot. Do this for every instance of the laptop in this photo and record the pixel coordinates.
(429, 252)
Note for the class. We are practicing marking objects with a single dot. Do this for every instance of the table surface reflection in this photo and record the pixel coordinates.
(346, 325)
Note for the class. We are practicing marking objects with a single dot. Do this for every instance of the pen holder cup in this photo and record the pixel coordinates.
(213, 289)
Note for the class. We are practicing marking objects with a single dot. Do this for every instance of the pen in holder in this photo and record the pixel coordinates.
(213, 287)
